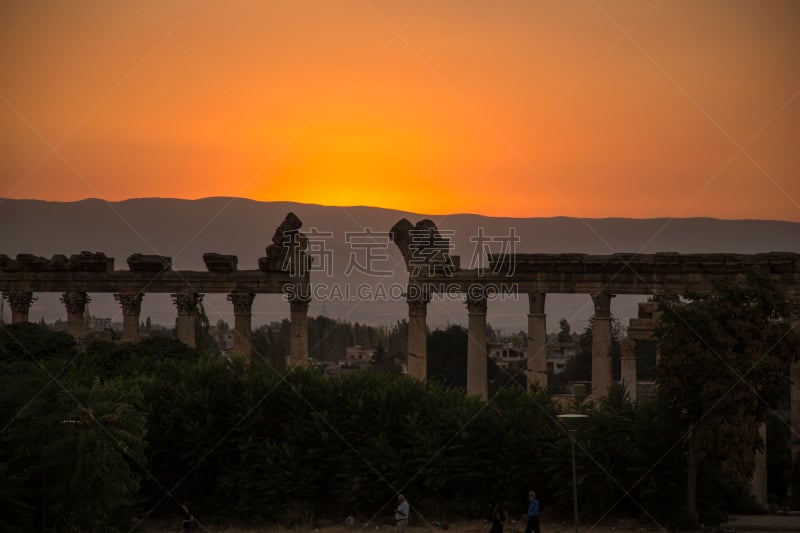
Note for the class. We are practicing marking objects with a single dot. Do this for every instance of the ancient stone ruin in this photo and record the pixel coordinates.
(431, 270)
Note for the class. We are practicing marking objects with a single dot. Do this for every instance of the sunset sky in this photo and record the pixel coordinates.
(532, 108)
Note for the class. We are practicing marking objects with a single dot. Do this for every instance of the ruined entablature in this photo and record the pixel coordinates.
(82, 262)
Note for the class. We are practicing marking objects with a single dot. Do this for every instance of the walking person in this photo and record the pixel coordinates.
(498, 518)
(188, 523)
(401, 514)
(532, 514)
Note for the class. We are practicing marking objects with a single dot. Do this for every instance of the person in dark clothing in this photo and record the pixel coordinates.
(188, 522)
(498, 518)
(532, 514)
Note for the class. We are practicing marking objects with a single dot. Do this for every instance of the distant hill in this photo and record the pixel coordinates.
(185, 229)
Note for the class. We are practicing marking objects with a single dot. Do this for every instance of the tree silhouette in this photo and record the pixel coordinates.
(724, 361)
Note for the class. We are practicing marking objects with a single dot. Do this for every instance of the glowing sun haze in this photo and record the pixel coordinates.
(596, 108)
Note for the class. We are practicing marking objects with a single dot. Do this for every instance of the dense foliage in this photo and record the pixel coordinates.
(70, 442)
(724, 367)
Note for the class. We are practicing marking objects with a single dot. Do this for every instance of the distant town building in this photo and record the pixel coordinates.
(356, 358)
(97, 323)
(223, 336)
(359, 353)
(507, 355)
(558, 353)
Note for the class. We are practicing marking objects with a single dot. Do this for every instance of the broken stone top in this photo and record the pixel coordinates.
(220, 263)
(422, 246)
(286, 253)
(287, 229)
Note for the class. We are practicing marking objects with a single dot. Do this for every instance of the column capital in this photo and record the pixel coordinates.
(242, 303)
(131, 302)
(298, 306)
(476, 305)
(20, 302)
(186, 302)
(417, 308)
(536, 303)
(602, 304)
(417, 293)
(75, 302)
(298, 291)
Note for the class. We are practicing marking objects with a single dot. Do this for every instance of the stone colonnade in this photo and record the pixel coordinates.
(477, 382)
(640, 329)
(187, 306)
(284, 270)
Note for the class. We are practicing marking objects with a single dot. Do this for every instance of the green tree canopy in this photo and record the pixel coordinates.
(724, 362)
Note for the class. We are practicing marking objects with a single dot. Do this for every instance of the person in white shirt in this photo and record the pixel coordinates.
(401, 514)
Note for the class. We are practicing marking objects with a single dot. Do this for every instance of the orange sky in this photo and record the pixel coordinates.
(531, 108)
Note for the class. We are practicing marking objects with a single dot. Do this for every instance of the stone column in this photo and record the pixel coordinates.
(131, 303)
(20, 304)
(187, 303)
(477, 379)
(601, 345)
(242, 329)
(758, 483)
(418, 339)
(628, 366)
(75, 302)
(795, 388)
(298, 342)
(537, 341)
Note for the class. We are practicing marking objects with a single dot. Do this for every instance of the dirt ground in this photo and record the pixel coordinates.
(753, 523)
(756, 523)
(462, 527)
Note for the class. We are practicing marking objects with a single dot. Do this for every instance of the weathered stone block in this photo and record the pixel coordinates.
(7, 264)
(58, 262)
(90, 262)
(778, 262)
(290, 226)
(220, 262)
(31, 263)
(270, 264)
(149, 263)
